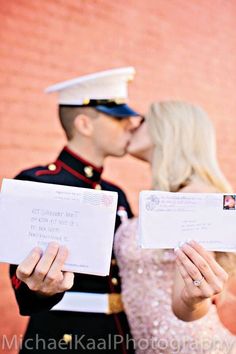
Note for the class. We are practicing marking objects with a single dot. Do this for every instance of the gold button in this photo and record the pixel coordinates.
(86, 101)
(119, 100)
(98, 187)
(88, 171)
(115, 303)
(52, 167)
(114, 281)
(67, 338)
(113, 262)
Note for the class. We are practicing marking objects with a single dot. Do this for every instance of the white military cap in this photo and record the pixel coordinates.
(106, 91)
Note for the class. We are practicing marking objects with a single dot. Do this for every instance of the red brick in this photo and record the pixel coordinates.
(181, 50)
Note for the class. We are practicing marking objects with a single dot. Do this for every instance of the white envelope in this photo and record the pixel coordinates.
(167, 219)
(34, 214)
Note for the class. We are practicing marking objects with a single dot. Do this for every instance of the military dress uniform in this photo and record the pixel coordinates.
(52, 328)
(63, 326)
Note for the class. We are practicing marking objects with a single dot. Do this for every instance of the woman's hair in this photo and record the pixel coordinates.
(185, 150)
(184, 147)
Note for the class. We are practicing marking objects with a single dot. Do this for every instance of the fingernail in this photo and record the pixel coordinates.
(176, 249)
(181, 243)
(38, 251)
(190, 242)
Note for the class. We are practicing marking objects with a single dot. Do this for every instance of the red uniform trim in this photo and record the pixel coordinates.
(76, 174)
(48, 172)
(98, 169)
(15, 282)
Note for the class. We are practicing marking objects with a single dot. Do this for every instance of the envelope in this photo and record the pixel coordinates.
(167, 219)
(34, 214)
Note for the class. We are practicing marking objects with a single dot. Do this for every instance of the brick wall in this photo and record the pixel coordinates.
(180, 49)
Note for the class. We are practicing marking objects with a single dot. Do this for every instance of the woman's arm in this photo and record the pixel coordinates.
(198, 277)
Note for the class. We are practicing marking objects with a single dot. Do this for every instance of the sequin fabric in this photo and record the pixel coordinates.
(147, 278)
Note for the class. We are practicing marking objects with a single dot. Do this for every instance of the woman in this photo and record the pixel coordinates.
(167, 293)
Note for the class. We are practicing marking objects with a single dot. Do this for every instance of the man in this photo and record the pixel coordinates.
(97, 125)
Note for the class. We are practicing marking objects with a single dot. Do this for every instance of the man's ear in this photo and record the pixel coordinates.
(83, 125)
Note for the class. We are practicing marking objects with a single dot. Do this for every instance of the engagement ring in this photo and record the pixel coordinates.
(198, 281)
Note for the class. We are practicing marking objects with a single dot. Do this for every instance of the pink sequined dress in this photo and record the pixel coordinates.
(147, 277)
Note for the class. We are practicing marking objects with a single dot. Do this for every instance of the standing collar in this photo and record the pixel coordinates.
(80, 165)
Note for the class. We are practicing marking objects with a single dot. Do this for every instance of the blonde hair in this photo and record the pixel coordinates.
(185, 150)
(184, 147)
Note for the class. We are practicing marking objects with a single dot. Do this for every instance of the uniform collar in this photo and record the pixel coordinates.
(80, 165)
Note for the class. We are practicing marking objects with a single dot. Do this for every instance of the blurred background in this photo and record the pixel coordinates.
(181, 50)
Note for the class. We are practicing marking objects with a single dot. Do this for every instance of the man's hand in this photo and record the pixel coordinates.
(43, 273)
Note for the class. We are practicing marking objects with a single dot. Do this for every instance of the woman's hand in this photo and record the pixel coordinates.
(202, 278)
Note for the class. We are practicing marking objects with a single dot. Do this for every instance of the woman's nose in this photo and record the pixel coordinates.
(134, 122)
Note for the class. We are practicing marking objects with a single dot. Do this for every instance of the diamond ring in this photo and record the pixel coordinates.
(198, 282)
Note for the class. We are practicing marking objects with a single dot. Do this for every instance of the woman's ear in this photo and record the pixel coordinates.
(83, 125)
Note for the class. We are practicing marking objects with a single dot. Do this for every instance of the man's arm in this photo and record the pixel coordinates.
(31, 288)
(128, 208)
